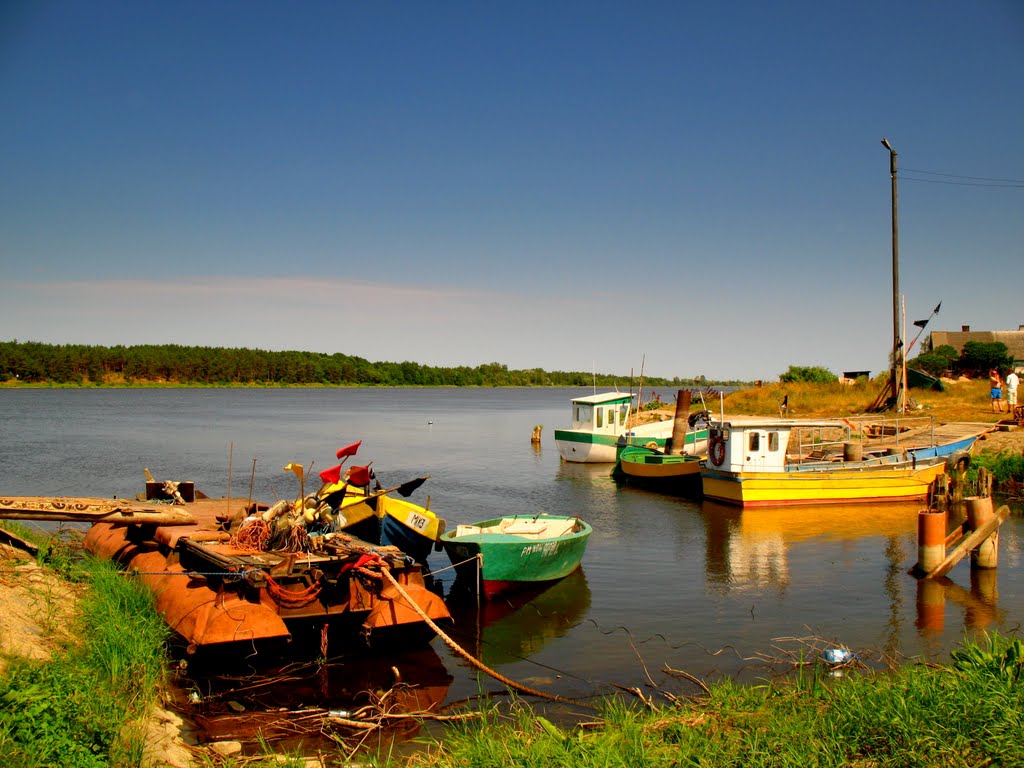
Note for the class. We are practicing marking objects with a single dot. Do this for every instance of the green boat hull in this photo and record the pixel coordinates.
(505, 561)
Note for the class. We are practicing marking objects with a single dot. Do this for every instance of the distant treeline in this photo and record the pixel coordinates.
(71, 364)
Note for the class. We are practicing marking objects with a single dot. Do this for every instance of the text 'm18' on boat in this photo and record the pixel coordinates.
(513, 552)
(772, 462)
(600, 423)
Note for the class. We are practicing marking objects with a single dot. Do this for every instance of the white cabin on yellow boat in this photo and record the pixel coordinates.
(771, 462)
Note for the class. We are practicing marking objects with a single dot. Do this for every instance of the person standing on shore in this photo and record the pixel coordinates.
(995, 385)
(1011, 390)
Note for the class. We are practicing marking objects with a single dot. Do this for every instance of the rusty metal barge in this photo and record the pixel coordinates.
(218, 583)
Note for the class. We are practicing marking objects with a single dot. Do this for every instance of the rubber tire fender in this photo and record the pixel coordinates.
(958, 461)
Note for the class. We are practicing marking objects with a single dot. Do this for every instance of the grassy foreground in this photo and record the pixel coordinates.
(83, 706)
(969, 713)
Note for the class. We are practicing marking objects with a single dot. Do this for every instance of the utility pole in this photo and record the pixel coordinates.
(897, 341)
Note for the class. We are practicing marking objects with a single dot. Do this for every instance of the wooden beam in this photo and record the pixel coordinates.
(85, 510)
(9, 538)
(968, 543)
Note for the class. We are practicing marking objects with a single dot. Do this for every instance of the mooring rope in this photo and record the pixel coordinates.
(466, 655)
(450, 567)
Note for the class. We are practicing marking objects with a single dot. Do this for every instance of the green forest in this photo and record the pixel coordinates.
(36, 364)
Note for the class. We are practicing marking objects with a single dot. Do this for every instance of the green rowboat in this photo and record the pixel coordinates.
(507, 553)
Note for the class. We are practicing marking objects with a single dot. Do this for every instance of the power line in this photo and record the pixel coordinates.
(957, 176)
(1013, 185)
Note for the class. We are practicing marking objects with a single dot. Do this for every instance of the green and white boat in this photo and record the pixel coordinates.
(507, 553)
(602, 423)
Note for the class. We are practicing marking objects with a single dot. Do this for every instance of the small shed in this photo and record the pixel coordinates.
(850, 377)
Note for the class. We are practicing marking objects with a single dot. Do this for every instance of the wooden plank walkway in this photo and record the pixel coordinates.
(919, 435)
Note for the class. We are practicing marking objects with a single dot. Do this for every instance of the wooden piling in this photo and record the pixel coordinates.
(979, 512)
(931, 539)
(680, 423)
(967, 541)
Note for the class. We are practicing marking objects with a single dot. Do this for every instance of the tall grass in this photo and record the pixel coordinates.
(968, 713)
(960, 401)
(73, 709)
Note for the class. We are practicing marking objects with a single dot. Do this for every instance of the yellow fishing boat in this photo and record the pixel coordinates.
(776, 462)
(381, 518)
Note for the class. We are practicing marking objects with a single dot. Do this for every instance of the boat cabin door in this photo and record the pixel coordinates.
(761, 450)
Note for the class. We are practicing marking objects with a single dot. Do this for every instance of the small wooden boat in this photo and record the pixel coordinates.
(380, 518)
(506, 553)
(774, 462)
(918, 379)
(651, 468)
(602, 423)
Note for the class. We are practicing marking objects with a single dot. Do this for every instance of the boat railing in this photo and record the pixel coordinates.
(828, 443)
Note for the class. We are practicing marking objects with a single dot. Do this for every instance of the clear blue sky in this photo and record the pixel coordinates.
(565, 185)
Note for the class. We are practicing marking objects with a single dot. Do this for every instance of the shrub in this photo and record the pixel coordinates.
(815, 374)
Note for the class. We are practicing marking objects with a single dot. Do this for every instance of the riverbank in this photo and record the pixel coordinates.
(966, 713)
(827, 707)
(81, 652)
(90, 438)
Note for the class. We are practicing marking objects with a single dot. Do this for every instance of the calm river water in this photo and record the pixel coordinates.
(665, 581)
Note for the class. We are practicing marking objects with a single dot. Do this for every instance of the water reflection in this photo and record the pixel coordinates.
(515, 627)
(749, 548)
(980, 603)
(228, 700)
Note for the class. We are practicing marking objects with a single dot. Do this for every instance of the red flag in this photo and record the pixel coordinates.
(359, 475)
(332, 475)
(349, 450)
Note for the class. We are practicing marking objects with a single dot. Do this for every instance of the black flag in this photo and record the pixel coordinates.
(406, 489)
(923, 323)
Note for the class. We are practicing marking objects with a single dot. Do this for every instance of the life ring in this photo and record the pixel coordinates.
(652, 445)
(716, 451)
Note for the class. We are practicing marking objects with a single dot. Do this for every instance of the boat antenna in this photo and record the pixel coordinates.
(640, 390)
(595, 377)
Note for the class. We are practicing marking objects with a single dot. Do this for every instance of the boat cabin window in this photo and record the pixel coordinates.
(583, 413)
(623, 413)
(600, 417)
(755, 441)
(773, 441)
